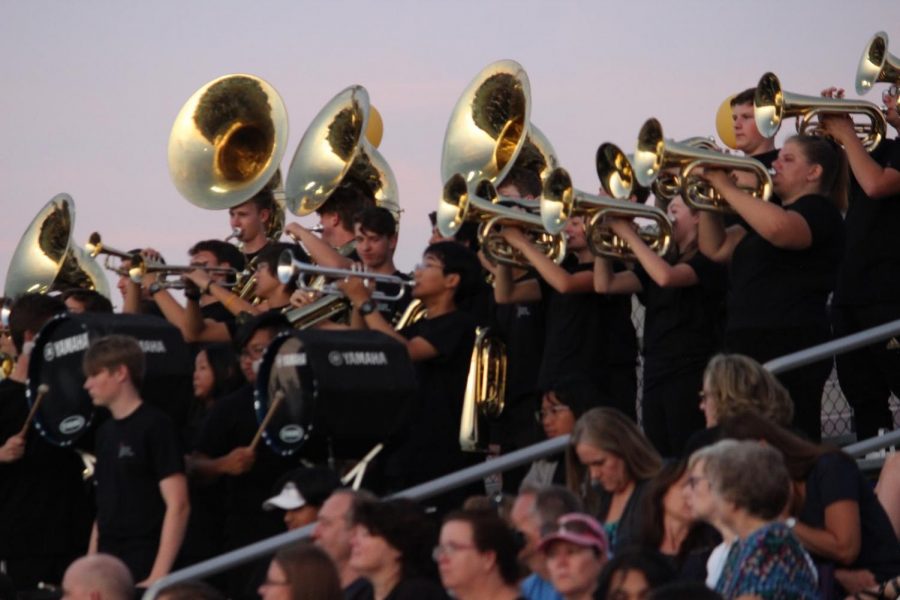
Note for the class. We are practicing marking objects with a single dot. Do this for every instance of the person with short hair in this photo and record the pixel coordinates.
(476, 556)
(333, 533)
(751, 488)
(97, 577)
(575, 553)
(747, 137)
(335, 247)
(45, 512)
(390, 546)
(607, 450)
(301, 572)
(783, 264)
(142, 498)
(536, 510)
(253, 218)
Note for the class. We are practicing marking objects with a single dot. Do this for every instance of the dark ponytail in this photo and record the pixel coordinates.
(826, 153)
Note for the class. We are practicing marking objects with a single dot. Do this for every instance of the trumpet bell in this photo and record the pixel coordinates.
(487, 128)
(877, 65)
(615, 171)
(335, 151)
(772, 105)
(46, 259)
(227, 141)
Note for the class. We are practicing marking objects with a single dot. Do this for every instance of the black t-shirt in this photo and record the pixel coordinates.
(683, 325)
(232, 423)
(766, 158)
(133, 455)
(392, 309)
(44, 507)
(870, 271)
(585, 333)
(434, 432)
(217, 312)
(521, 326)
(773, 288)
(835, 477)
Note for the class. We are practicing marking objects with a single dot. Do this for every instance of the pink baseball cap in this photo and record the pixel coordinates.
(579, 529)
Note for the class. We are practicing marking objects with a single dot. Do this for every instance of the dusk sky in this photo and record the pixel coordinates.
(91, 88)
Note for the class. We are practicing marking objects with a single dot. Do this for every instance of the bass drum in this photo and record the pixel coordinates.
(344, 392)
(66, 412)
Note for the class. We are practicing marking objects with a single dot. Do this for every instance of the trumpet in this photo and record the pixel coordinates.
(654, 155)
(289, 268)
(561, 201)
(772, 105)
(877, 65)
(141, 267)
(95, 247)
(460, 202)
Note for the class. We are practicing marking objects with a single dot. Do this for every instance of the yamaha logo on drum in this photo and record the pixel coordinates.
(66, 346)
(357, 358)
(71, 425)
(291, 434)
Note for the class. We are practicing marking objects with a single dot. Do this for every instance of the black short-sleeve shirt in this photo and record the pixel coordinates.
(766, 158)
(434, 432)
(835, 477)
(773, 288)
(683, 325)
(870, 270)
(133, 455)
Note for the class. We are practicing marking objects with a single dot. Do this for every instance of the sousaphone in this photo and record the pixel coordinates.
(46, 258)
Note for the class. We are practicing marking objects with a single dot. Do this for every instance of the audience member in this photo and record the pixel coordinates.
(98, 577)
(301, 493)
(301, 572)
(333, 533)
(633, 574)
(575, 552)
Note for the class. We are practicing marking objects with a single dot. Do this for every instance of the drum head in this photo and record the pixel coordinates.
(280, 373)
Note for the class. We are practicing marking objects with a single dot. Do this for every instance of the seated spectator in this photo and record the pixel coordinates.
(576, 553)
(560, 407)
(476, 556)
(735, 384)
(669, 526)
(608, 450)
(333, 533)
(301, 493)
(536, 511)
(633, 574)
(390, 544)
(683, 590)
(301, 572)
(98, 577)
(839, 519)
(751, 487)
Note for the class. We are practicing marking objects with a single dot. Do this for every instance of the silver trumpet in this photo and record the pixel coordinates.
(290, 268)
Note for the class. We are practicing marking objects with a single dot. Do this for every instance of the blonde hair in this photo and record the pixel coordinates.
(738, 384)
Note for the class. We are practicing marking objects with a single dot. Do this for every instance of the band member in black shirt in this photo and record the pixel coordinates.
(868, 288)
(784, 264)
(682, 328)
(142, 497)
(45, 512)
(440, 345)
(585, 334)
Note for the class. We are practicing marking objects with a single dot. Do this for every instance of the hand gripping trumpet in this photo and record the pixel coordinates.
(290, 268)
(655, 155)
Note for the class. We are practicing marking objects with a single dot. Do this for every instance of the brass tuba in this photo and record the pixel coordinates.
(654, 155)
(46, 258)
(561, 201)
(335, 151)
(485, 389)
(488, 134)
(877, 65)
(227, 143)
(772, 105)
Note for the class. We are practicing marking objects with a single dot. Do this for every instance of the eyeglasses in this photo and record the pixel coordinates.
(425, 265)
(449, 549)
(553, 411)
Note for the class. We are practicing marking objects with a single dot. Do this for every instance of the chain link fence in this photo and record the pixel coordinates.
(837, 416)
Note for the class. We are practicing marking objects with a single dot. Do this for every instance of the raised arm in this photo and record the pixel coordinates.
(663, 273)
(556, 276)
(318, 249)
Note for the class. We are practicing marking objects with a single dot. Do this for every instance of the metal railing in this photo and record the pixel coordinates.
(526, 455)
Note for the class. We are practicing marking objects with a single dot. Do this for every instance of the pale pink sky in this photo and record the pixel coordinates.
(90, 88)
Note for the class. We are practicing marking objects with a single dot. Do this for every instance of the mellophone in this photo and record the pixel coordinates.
(218, 160)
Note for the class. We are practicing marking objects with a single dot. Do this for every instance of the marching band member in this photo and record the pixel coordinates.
(868, 288)
(336, 217)
(682, 326)
(440, 346)
(747, 137)
(586, 335)
(252, 219)
(783, 264)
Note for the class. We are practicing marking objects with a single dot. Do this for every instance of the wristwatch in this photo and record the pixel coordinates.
(790, 522)
(367, 307)
(154, 288)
